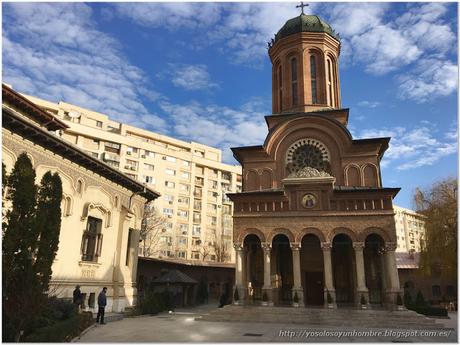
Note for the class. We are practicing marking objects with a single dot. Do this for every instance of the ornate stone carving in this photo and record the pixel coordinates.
(358, 245)
(238, 246)
(326, 245)
(307, 172)
(266, 246)
(295, 246)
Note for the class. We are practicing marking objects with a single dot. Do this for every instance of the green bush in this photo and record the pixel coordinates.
(407, 299)
(363, 300)
(154, 303)
(61, 331)
(330, 300)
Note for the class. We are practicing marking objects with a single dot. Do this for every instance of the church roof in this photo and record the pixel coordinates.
(305, 23)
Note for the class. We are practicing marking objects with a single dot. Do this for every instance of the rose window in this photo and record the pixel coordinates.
(307, 153)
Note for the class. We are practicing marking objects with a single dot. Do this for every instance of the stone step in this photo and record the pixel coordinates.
(323, 317)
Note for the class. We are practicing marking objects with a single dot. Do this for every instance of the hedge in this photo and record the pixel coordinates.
(62, 331)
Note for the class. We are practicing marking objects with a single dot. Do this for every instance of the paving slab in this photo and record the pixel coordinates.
(182, 326)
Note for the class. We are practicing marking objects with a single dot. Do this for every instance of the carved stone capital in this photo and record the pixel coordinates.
(358, 245)
(295, 246)
(326, 246)
(266, 246)
(390, 246)
(238, 246)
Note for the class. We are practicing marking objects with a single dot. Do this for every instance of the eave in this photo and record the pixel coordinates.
(21, 103)
(38, 135)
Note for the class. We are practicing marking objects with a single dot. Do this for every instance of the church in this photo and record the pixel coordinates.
(313, 223)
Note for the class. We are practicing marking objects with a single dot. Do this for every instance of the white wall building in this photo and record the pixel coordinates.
(190, 177)
(410, 229)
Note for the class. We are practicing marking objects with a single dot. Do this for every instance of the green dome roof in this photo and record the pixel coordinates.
(305, 23)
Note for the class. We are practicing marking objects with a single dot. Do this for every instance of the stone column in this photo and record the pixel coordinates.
(295, 247)
(391, 271)
(328, 278)
(267, 288)
(239, 272)
(361, 289)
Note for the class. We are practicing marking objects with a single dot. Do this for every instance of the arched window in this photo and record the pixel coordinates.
(330, 100)
(79, 186)
(314, 93)
(295, 97)
(280, 88)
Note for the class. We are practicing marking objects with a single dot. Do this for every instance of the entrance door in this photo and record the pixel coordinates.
(314, 288)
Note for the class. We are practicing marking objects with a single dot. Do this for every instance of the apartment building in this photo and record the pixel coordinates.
(410, 229)
(194, 213)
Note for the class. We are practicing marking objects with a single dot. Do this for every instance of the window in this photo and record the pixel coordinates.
(91, 244)
(329, 83)
(196, 242)
(181, 255)
(196, 255)
(149, 167)
(280, 87)
(170, 159)
(169, 198)
(196, 217)
(314, 97)
(170, 184)
(185, 175)
(149, 154)
(79, 186)
(199, 181)
(170, 172)
(295, 96)
(212, 220)
(149, 179)
(199, 153)
(212, 208)
(183, 200)
(168, 211)
(182, 213)
(129, 248)
(196, 230)
(197, 204)
(199, 170)
(131, 150)
(183, 228)
(99, 124)
(212, 184)
(186, 163)
(226, 176)
(182, 241)
(184, 188)
(198, 192)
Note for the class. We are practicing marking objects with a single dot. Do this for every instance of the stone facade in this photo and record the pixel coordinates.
(313, 220)
(92, 192)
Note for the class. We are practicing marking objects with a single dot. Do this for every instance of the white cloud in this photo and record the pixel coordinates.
(368, 104)
(55, 52)
(221, 127)
(430, 79)
(412, 148)
(191, 77)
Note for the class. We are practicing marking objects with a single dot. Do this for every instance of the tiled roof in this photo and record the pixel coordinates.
(406, 260)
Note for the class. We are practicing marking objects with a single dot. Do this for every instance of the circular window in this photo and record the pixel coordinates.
(307, 153)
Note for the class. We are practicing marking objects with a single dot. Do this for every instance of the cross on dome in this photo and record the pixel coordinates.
(302, 5)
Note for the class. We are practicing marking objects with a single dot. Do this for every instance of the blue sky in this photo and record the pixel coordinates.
(200, 71)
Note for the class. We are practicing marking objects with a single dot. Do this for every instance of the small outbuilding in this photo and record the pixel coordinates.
(180, 285)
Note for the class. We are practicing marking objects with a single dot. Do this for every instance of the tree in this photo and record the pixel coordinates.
(30, 241)
(21, 294)
(439, 250)
(48, 225)
(153, 225)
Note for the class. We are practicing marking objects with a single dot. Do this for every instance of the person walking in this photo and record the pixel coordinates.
(77, 298)
(101, 302)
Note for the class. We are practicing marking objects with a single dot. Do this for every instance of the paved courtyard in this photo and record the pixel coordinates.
(181, 326)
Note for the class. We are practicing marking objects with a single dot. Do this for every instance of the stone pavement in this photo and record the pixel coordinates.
(182, 326)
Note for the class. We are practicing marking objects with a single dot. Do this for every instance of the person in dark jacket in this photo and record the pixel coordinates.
(101, 302)
(77, 298)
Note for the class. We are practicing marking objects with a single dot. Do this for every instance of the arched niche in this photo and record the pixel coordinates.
(370, 175)
(353, 176)
(252, 180)
(266, 179)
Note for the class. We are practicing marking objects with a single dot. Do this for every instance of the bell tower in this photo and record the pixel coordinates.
(304, 56)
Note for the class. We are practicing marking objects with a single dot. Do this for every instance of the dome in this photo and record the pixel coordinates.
(305, 23)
